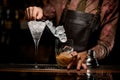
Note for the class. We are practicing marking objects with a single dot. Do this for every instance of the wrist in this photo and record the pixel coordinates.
(105, 48)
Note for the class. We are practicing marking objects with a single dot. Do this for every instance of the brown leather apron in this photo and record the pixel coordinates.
(81, 27)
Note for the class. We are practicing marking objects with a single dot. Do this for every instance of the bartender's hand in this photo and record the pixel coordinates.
(33, 13)
(80, 61)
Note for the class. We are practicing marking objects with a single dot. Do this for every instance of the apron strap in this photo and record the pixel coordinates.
(99, 6)
(97, 16)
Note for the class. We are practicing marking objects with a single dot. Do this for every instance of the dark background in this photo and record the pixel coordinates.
(17, 36)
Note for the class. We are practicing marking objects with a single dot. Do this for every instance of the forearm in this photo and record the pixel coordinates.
(109, 25)
(106, 41)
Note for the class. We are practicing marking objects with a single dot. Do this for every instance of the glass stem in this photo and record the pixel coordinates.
(36, 47)
(36, 51)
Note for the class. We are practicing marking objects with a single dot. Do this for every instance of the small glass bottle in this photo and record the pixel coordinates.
(91, 59)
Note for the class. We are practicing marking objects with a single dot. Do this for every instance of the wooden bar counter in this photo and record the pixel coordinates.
(54, 72)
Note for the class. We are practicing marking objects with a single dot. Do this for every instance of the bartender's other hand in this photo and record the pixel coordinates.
(80, 61)
(33, 13)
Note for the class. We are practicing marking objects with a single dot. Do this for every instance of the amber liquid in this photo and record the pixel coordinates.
(63, 59)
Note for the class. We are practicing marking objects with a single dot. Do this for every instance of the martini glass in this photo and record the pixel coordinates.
(36, 28)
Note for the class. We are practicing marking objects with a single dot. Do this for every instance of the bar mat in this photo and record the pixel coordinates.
(30, 66)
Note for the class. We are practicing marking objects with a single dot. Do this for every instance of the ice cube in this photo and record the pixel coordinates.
(60, 29)
(36, 26)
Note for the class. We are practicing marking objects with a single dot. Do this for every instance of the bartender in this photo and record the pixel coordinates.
(90, 23)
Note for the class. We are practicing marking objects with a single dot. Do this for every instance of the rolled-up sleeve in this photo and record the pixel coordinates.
(109, 20)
